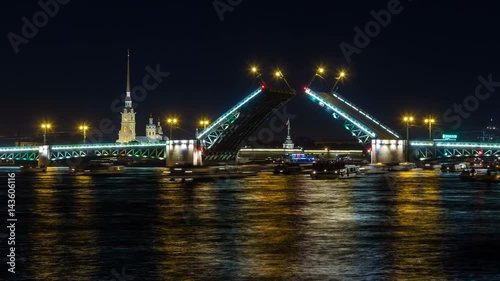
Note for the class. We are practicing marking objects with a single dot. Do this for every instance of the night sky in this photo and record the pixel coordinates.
(427, 58)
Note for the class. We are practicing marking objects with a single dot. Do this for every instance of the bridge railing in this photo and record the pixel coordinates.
(341, 113)
(217, 123)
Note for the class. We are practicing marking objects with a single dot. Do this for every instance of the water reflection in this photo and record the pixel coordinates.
(46, 250)
(269, 229)
(80, 233)
(182, 247)
(410, 225)
(417, 247)
(328, 241)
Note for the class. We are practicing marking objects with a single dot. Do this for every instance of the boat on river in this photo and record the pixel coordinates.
(189, 172)
(99, 168)
(480, 175)
(334, 170)
(374, 169)
(32, 169)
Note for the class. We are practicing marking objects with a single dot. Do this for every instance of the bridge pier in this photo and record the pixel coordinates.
(388, 151)
(43, 156)
(183, 151)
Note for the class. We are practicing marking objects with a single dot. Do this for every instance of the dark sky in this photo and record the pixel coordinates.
(425, 60)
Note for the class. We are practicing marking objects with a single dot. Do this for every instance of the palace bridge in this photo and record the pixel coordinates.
(222, 139)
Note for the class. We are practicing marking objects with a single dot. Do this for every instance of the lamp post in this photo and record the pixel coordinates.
(408, 120)
(84, 128)
(430, 121)
(171, 122)
(45, 126)
(342, 74)
(280, 75)
(319, 73)
(257, 74)
(204, 123)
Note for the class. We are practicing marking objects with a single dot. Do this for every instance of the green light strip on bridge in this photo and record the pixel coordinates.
(231, 111)
(456, 144)
(345, 115)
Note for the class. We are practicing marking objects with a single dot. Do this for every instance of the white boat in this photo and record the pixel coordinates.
(453, 167)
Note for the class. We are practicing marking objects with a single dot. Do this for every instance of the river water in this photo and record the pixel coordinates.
(417, 225)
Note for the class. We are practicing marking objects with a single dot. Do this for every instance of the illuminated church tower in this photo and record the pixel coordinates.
(127, 131)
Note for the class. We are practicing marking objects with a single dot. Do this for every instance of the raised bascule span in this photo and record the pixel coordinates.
(223, 138)
(360, 124)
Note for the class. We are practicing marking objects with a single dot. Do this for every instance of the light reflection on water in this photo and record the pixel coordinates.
(417, 225)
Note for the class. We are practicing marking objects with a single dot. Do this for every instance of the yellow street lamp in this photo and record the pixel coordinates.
(204, 123)
(84, 128)
(45, 127)
(430, 121)
(256, 73)
(280, 75)
(172, 122)
(408, 120)
(342, 75)
(318, 73)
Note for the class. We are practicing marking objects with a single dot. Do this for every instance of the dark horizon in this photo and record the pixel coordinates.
(426, 59)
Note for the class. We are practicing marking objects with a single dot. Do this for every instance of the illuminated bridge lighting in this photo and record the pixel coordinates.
(19, 148)
(366, 115)
(340, 112)
(421, 143)
(106, 146)
(456, 144)
(229, 113)
(470, 145)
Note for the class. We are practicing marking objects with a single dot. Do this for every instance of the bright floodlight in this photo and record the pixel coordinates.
(254, 69)
(342, 74)
(321, 70)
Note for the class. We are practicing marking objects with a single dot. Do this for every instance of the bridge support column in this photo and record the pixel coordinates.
(183, 152)
(43, 156)
(388, 151)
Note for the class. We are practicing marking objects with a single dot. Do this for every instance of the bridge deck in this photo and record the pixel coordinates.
(235, 126)
(381, 131)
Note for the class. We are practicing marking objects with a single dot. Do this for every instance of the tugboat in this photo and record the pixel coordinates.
(334, 170)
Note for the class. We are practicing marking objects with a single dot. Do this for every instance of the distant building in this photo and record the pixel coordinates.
(28, 143)
(154, 133)
(127, 131)
(490, 133)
